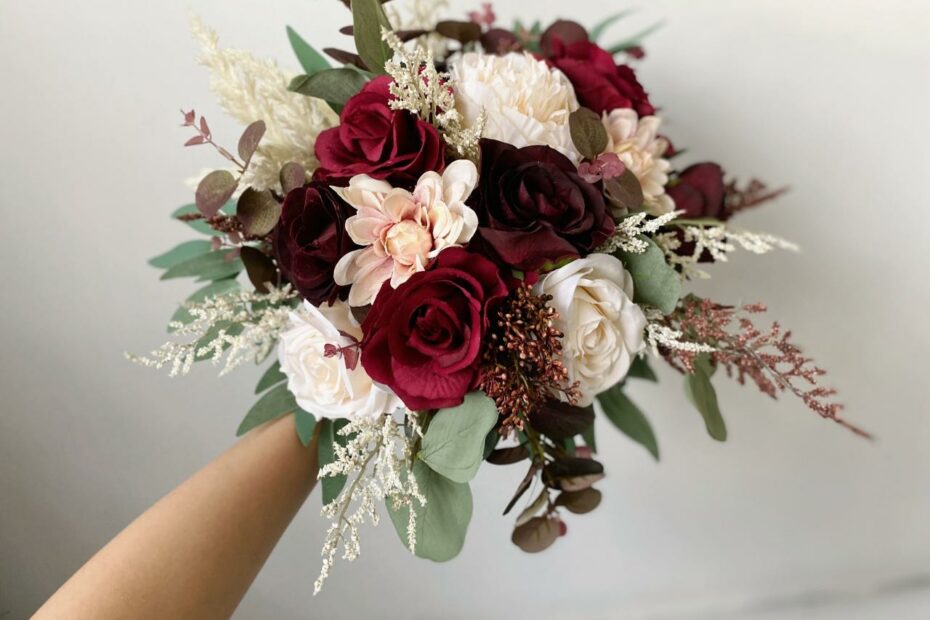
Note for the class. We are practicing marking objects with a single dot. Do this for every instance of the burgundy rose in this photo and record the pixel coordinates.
(309, 240)
(424, 338)
(600, 83)
(372, 139)
(533, 207)
(699, 191)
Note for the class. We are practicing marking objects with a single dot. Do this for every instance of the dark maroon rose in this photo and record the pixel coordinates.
(534, 208)
(424, 338)
(372, 139)
(699, 191)
(600, 84)
(309, 240)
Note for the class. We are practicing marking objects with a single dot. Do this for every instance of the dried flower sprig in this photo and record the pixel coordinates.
(522, 368)
(420, 88)
(767, 358)
(377, 455)
(626, 237)
(240, 326)
(753, 194)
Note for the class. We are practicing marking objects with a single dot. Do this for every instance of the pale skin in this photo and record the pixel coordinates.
(195, 553)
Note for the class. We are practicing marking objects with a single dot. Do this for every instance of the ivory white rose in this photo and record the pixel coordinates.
(324, 385)
(401, 231)
(602, 327)
(526, 101)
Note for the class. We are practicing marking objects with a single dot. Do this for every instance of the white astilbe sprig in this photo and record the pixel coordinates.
(237, 327)
(251, 89)
(626, 236)
(376, 457)
(658, 335)
(419, 88)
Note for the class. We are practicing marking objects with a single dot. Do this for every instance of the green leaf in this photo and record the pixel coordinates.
(210, 266)
(310, 59)
(655, 282)
(589, 439)
(635, 40)
(272, 405)
(218, 287)
(442, 523)
(703, 396)
(454, 441)
(334, 86)
(368, 18)
(595, 33)
(272, 376)
(304, 424)
(627, 417)
(180, 253)
(640, 369)
(199, 225)
(329, 436)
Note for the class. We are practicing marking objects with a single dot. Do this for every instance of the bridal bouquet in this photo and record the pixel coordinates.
(459, 246)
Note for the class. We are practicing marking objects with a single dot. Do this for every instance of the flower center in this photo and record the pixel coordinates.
(406, 241)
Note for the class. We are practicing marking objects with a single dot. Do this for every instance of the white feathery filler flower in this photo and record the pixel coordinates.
(251, 89)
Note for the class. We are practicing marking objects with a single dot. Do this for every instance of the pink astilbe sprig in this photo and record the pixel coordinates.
(767, 358)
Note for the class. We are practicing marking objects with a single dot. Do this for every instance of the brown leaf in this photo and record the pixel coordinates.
(204, 128)
(463, 32)
(508, 456)
(624, 192)
(259, 267)
(580, 482)
(194, 141)
(588, 133)
(345, 57)
(536, 535)
(249, 140)
(541, 501)
(258, 211)
(558, 420)
(566, 31)
(213, 191)
(292, 176)
(579, 502)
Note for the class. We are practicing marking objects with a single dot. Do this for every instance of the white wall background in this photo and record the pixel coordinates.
(830, 97)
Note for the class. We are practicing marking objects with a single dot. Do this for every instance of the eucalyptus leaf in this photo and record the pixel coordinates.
(703, 396)
(259, 267)
(655, 282)
(211, 266)
(368, 18)
(258, 211)
(217, 287)
(598, 29)
(271, 377)
(304, 424)
(249, 140)
(588, 133)
(292, 176)
(272, 405)
(334, 86)
(442, 523)
(579, 502)
(453, 445)
(180, 253)
(536, 535)
(590, 439)
(199, 225)
(329, 437)
(214, 190)
(310, 59)
(640, 369)
(627, 417)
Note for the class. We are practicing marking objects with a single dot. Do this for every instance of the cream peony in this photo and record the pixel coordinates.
(602, 327)
(526, 101)
(636, 141)
(402, 231)
(325, 386)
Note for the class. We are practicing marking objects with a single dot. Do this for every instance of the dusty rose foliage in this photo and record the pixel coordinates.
(753, 194)
(768, 358)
